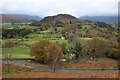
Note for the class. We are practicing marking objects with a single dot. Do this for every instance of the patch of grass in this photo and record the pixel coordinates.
(14, 72)
(17, 52)
(45, 32)
(30, 42)
(34, 35)
(86, 38)
(9, 73)
(30, 27)
(87, 26)
(60, 41)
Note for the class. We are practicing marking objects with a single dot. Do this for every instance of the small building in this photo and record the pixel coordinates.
(63, 60)
(62, 38)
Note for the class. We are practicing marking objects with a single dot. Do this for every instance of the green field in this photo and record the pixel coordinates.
(45, 32)
(22, 49)
(33, 41)
(35, 35)
(86, 38)
(30, 41)
(17, 52)
(87, 26)
(30, 27)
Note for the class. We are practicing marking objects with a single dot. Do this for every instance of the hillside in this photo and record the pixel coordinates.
(8, 19)
(106, 19)
(77, 28)
(25, 16)
(60, 20)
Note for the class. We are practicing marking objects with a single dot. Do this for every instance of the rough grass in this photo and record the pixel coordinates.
(100, 63)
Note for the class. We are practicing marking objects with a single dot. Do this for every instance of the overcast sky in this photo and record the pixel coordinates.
(52, 7)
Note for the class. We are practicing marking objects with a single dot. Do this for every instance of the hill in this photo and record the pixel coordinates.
(76, 27)
(8, 19)
(60, 20)
(106, 19)
(25, 16)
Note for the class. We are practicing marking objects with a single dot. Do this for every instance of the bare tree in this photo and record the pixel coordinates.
(8, 53)
(55, 54)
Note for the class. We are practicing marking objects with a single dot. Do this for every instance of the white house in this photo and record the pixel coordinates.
(62, 38)
(63, 60)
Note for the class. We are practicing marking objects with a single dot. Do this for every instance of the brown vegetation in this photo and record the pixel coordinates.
(64, 75)
(94, 64)
(7, 19)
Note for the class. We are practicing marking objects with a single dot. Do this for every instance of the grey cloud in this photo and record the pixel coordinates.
(53, 7)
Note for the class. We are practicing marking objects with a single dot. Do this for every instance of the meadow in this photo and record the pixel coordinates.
(22, 49)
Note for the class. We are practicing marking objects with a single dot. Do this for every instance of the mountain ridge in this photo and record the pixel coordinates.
(25, 16)
(106, 19)
(9, 19)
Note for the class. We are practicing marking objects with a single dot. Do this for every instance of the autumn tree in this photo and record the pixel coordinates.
(101, 47)
(55, 54)
(40, 50)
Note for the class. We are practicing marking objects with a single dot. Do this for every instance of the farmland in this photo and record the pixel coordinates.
(60, 45)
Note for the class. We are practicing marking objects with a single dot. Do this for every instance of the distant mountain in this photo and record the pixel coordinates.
(8, 19)
(25, 16)
(106, 19)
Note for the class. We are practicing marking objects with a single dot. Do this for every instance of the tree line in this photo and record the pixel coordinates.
(13, 33)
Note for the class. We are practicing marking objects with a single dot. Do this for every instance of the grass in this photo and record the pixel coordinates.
(9, 73)
(14, 72)
(30, 42)
(86, 38)
(34, 35)
(30, 27)
(51, 39)
(45, 32)
(87, 26)
(60, 41)
(18, 53)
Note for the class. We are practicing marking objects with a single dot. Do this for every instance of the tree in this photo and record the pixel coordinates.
(55, 54)
(40, 50)
(77, 50)
(100, 47)
(8, 53)
(64, 48)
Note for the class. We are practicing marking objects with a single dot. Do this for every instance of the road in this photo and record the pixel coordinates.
(23, 62)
